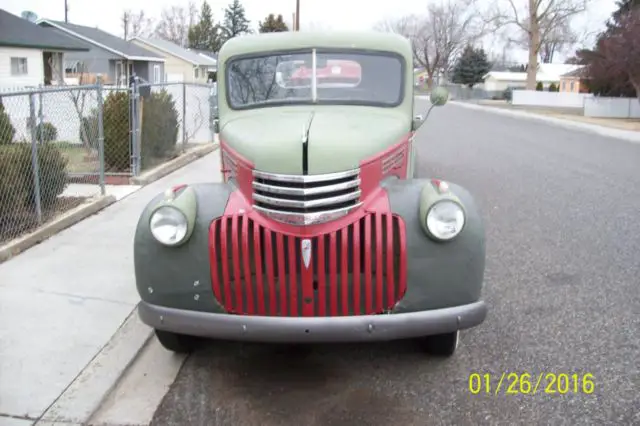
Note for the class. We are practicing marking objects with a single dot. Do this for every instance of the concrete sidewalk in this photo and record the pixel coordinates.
(628, 135)
(63, 300)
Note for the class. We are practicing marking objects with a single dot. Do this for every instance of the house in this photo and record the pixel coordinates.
(546, 74)
(210, 55)
(31, 55)
(180, 64)
(574, 81)
(113, 57)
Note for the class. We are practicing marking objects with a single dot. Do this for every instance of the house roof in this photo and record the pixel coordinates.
(18, 32)
(105, 41)
(177, 51)
(547, 73)
(580, 72)
(204, 52)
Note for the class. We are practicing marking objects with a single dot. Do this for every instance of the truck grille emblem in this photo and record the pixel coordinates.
(305, 246)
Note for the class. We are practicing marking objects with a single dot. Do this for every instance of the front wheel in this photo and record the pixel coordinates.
(174, 342)
(442, 345)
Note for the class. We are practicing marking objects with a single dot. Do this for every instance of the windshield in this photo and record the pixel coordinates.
(340, 78)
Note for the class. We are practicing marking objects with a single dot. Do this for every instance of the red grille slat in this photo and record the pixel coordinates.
(322, 280)
(263, 271)
(402, 276)
(246, 258)
(293, 284)
(225, 265)
(271, 276)
(213, 256)
(257, 248)
(391, 283)
(235, 236)
(357, 270)
(333, 276)
(344, 271)
(368, 291)
(282, 277)
(379, 265)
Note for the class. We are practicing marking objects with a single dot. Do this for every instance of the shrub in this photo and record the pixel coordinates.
(17, 192)
(507, 94)
(46, 132)
(90, 135)
(539, 87)
(553, 87)
(159, 132)
(7, 131)
(115, 119)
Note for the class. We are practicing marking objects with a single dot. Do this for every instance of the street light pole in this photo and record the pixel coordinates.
(297, 23)
(66, 12)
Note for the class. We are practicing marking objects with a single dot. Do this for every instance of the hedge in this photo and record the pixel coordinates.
(115, 119)
(159, 132)
(17, 192)
(7, 131)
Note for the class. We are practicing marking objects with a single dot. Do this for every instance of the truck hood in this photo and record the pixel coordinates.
(339, 138)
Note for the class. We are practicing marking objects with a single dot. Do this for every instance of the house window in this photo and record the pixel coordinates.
(156, 74)
(571, 86)
(196, 72)
(19, 66)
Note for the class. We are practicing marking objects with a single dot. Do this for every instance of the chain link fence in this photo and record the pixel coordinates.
(62, 145)
(464, 93)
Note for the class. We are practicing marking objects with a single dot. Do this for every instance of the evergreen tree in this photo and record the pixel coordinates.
(235, 21)
(471, 67)
(204, 35)
(271, 24)
(624, 7)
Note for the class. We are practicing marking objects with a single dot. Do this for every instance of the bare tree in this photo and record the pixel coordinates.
(440, 34)
(544, 25)
(136, 24)
(175, 22)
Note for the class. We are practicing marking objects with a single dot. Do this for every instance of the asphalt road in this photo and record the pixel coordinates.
(562, 213)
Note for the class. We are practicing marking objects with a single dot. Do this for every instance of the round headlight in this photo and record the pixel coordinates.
(168, 225)
(445, 219)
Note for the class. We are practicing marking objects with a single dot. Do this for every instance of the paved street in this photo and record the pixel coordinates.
(562, 281)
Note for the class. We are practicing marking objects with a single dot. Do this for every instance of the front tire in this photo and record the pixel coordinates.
(442, 345)
(174, 342)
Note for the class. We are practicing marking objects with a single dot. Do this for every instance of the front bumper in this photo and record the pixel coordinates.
(313, 329)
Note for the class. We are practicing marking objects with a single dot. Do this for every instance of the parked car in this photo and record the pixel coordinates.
(320, 230)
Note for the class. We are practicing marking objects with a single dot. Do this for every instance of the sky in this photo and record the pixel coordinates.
(324, 14)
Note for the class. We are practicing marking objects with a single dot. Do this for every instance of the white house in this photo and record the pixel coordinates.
(547, 74)
(31, 55)
(181, 65)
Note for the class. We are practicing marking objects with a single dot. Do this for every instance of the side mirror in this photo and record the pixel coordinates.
(439, 96)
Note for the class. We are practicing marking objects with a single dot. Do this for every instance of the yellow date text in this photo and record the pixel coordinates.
(511, 383)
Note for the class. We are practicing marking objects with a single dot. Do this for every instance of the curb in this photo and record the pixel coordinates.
(627, 135)
(84, 396)
(48, 230)
(173, 165)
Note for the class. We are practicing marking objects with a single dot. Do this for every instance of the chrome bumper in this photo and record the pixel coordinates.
(313, 329)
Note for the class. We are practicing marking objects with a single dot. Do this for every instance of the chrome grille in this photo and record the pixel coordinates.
(306, 199)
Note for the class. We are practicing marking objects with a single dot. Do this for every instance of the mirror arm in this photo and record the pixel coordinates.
(428, 111)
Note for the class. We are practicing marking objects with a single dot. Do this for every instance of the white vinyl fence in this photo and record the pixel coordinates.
(612, 107)
(549, 99)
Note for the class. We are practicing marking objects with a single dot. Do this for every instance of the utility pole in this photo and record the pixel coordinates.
(297, 24)
(66, 12)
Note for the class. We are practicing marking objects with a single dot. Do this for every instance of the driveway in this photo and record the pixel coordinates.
(562, 281)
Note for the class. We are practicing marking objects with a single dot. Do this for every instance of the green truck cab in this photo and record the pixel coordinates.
(319, 230)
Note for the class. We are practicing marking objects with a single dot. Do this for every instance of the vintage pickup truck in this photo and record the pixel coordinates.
(320, 230)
